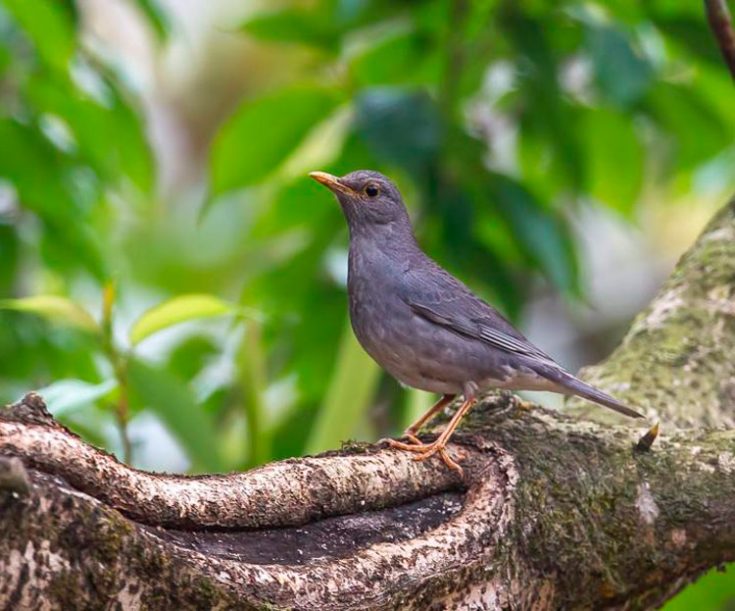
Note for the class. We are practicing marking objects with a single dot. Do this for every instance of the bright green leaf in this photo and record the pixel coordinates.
(714, 590)
(294, 26)
(698, 131)
(54, 308)
(50, 26)
(177, 310)
(403, 58)
(173, 401)
(615, 158)
(263, 133)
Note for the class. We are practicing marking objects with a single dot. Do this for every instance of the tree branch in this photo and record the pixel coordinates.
(555, 511)
(720, 23)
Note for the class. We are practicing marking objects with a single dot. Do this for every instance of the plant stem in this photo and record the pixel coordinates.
(251, 363)
(120, 371)
(122, 412)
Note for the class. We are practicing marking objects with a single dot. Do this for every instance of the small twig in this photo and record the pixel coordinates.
(718, 16)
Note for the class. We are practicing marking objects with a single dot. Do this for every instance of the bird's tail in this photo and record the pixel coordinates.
(574, 386)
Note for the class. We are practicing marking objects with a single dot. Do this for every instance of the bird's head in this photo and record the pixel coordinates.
(368, 199)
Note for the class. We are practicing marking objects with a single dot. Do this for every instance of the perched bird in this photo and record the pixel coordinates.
(425, 327)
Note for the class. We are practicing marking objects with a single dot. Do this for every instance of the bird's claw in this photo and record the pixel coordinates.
(427, 450)
(416, 444)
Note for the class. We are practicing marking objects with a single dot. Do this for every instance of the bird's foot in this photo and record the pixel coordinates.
(415, 445)
(527, 405)
(427, 450)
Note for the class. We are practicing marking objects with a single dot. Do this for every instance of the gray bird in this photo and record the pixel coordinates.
(425, 327)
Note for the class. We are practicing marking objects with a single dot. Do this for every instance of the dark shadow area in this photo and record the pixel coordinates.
(331, 538)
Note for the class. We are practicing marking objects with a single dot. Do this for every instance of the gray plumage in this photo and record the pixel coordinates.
(420, 323)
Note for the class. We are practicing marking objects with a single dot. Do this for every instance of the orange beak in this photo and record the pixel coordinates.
(331, 182)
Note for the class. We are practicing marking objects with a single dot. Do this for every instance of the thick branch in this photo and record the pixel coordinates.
(553, 511)
(677, 359)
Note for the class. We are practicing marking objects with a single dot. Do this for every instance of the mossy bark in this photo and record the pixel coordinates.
(554, 511)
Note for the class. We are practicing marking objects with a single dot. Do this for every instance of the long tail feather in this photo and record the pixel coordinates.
(576, 387)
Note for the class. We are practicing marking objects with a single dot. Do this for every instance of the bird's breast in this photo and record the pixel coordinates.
(409, 348)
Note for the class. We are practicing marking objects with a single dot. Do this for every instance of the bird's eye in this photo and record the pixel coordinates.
(371, 191)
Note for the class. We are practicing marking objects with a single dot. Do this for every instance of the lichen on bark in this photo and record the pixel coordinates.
(676, 360)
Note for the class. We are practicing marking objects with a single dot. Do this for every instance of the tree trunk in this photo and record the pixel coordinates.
(555, 510)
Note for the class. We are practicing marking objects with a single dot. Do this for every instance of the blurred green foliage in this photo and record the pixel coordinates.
(499, 120)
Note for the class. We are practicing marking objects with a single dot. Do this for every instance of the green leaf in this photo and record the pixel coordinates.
(294, 26)
(546, 112)
(698, 131)
(714, 590)
(10, 248)
(156, 16)
(541, 233)
(173, 401)
(400, 126)
(110, 137)
(177, 310)
(621, 72)
(351, 389)
(65, 396)
(263, 133)
(49, 25)
(403, 58)
(615, 158)
(42, 176)
(693, 35)
(54, 308)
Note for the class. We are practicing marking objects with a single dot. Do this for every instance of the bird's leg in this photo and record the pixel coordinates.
(427, 450)
(441, 442)
(411, 431)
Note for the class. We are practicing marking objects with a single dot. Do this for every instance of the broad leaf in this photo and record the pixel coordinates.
(615, 159)
(400, 126)
(54, 308)
(294, 26)
(699, 132)
(540, 232)
(263, 133)
(621, 72)
(49, 24)
(175, 311)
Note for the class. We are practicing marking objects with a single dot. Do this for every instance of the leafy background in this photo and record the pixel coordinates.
(174, 283)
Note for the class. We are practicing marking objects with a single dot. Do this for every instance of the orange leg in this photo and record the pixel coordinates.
(426, 450)
(411, 431)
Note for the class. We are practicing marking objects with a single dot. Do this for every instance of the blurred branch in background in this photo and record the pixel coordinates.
(718, 15)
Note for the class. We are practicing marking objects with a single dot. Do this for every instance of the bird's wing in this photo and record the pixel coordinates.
(481, 330)
(442, 299)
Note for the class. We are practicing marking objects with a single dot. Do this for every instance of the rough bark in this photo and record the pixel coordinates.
(555, 510)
